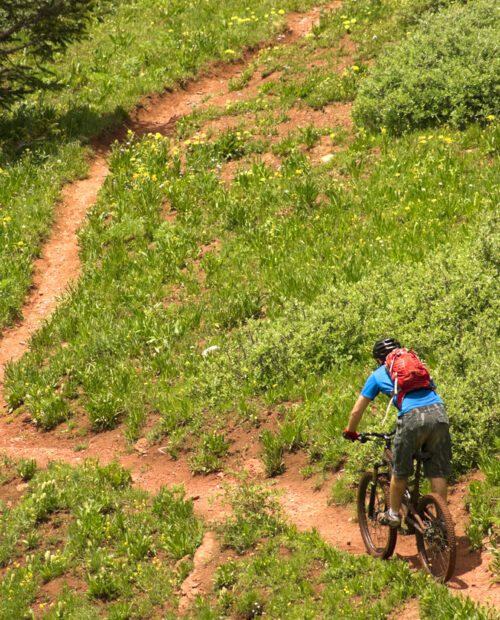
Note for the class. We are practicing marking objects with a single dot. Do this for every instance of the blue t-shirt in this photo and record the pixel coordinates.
(380, 381)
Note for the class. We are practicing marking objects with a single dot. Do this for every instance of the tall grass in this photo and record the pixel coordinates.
(87, 526)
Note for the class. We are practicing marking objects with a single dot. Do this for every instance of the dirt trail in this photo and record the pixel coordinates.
(304, 506)
(200, 578)
(308, 509)
(59, 264)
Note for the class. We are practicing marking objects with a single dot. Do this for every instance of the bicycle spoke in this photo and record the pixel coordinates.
(436, 547)
(372, 500)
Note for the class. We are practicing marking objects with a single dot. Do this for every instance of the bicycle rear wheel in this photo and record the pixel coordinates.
(373, 498)
(437, 545)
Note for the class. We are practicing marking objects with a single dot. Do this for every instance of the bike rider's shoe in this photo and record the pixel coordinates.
(385, 518)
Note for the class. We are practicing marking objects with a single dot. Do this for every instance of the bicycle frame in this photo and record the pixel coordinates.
(412, 492)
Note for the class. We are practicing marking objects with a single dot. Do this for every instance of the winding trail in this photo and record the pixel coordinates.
(59, 265)
(59, 262)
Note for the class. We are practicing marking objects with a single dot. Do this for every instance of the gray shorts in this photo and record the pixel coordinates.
(424, 428)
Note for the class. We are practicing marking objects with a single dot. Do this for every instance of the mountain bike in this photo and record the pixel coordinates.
(427, 516)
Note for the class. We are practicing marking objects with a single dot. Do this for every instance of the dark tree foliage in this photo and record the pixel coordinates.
(31, 32)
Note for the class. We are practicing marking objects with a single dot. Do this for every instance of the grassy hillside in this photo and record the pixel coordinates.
(240, 268)
(42, 141)
(292, 267)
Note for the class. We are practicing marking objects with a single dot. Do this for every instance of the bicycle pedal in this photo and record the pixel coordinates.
(406, 531)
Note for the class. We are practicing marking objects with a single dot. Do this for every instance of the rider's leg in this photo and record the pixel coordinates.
(396, 492)
(439, 486)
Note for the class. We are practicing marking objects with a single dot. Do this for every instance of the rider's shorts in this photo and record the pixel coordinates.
(427, 429)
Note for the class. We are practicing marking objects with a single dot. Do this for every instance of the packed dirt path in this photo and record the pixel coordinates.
(59, 265)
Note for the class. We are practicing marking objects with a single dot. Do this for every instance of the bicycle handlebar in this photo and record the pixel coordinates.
(364, 437)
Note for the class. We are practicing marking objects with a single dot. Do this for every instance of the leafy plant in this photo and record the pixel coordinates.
(26, 468)
(207, 458)
(32, 33)
(273, 453)
(482, 503)
(255, 514)
(454, 54)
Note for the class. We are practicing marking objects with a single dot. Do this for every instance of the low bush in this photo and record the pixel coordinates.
(208, 456)
(483, 506)
(446, 71)
(104, 535)
(454, 315)
(256, 513)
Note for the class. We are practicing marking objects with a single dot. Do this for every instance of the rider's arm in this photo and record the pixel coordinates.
(357, 413)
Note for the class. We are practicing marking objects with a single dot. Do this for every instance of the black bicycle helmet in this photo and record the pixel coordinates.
(382, 348)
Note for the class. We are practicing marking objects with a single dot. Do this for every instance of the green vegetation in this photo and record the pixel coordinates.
(299, 576)
(33, 32)
(42, 139)
(289, 270)
(446, 71)
(241, 269)
(82, 544)
(105, 546)
(484, 508)
(255, 514)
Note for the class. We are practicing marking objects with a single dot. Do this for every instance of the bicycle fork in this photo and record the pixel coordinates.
(373, 490)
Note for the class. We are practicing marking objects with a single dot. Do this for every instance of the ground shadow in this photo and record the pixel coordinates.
(467, 560)
(41, 128)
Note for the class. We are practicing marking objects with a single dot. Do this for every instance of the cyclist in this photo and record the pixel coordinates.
(422, 423)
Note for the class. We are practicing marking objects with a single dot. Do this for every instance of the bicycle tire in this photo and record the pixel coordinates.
(380, 540)
(437, 545)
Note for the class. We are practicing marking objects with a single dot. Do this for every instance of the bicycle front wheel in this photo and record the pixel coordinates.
(436, 545)
(373, 498)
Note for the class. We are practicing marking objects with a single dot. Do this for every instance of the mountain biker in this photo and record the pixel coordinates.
(422, 423)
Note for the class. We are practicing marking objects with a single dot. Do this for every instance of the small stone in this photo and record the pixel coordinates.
(210, 350)
(326, 158)
(141, 446)
(21, 486)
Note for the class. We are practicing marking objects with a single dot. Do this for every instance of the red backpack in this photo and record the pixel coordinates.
(408, 373)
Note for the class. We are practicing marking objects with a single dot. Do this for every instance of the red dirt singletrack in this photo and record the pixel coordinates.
(59, 265)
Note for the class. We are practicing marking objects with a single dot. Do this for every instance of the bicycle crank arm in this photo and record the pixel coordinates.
(416, 522)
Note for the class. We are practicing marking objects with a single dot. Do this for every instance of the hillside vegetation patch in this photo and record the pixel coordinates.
(103, 545)
(43, 139)
(445, 71)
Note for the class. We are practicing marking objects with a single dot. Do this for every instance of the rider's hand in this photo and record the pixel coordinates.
(350, 435)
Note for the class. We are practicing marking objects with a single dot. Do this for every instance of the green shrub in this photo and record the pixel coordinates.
(100, 529)
(255, 513)
(483, 505)
(273, 453)
(26, 468)
(446, 71)
(208, 456)
(453, 315)
(181, 531)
